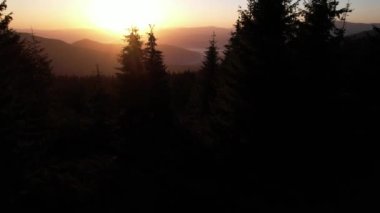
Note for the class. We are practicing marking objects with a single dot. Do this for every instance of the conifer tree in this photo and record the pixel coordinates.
(260, 41)
(133, 83)
(24, 87)
(159, 96)
(266, 25)
(319, 42)
(319, 27)
(24, 84)
(256, 61)
(35, 81)
(202, 99)
(153, 59)
(131, 58)
(208, 74)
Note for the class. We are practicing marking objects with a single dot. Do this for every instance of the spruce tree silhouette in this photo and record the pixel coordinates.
(255, 62)
(133, 85)
(200, 112)
(320, 41)
(131, 57)
(319, 28)
(24, 86)
(319, 35)
(208, 75)
(159, 94)
(152, 57)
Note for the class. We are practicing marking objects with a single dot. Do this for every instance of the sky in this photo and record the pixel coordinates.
(118, 15)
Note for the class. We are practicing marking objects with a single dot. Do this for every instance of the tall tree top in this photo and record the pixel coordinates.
(212, 57)
(5, 19)
(153, 58)
(152, 40)
(320, 17)
(133, 40)
(131, 57)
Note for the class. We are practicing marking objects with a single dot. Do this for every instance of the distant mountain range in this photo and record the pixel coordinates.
(81, 57)
(73, 55)
(354, 28)
(73, 35)
(190, 38)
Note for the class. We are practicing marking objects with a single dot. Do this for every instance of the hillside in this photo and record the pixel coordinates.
(81, 57)
(360, 48)
(184, 52)
(173, 55)
(72, 35)
(355, 28)
(192, 38)
(195, 38)
(68, 59)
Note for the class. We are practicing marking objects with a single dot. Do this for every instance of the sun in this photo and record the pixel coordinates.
(120, 15)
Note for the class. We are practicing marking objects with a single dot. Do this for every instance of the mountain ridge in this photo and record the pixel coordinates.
(185, 37)
(185, 51)
(80, 58)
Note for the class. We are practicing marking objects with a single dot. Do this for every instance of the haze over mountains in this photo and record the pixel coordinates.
(77, 51)
(81, 57)
(183, 37)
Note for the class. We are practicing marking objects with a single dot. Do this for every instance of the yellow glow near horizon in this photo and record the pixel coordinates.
(119, 15)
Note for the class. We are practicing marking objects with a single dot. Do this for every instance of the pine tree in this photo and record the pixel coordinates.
(27, 73)
(202, 99)
(208, 74)
(319, 41)
(24, 85)
(5, 20)
(319, 36)
(9, 42)
(34, 95)
(320, 18)
(159, 95)
(153, 59)
(266, 25)
(318, 47)
(132, 55)
(133, 86)
(256, 64)
(261, 38)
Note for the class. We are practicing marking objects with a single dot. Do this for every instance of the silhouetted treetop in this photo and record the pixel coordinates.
(159, 91)
(208, 76)
(212, 56)
(268, 20)
(132, 54)
(5, 19)
(319, 26)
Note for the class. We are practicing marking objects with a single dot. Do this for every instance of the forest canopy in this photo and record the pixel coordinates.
(281, 120)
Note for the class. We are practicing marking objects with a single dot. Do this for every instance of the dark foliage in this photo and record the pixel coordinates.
(24, 105)
(208, 76)
(282, 122)
(159, 94)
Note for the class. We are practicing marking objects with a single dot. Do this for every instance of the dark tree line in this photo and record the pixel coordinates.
(280, 121)
(23, 105)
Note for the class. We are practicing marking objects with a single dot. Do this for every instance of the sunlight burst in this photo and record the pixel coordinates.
(120, 15)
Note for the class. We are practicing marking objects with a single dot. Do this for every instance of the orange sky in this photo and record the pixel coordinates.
(118, 15)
